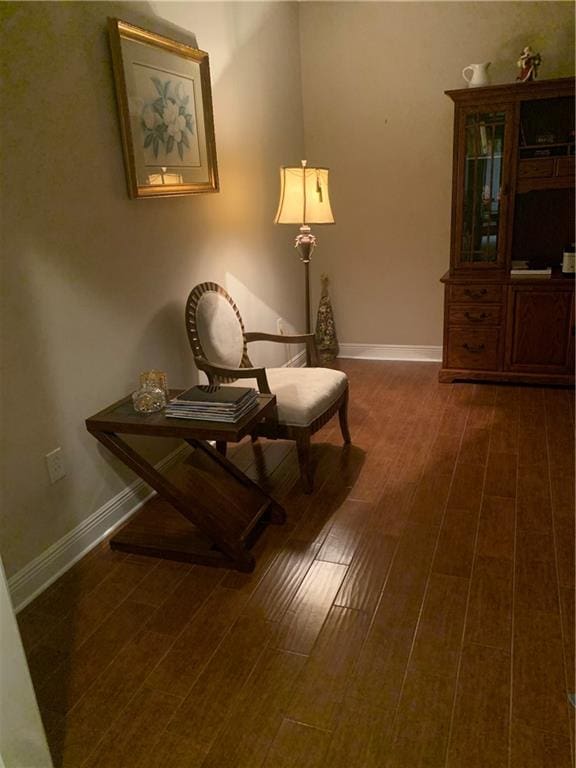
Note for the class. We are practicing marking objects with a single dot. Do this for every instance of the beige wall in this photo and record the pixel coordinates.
(373, 78)
(94, 284)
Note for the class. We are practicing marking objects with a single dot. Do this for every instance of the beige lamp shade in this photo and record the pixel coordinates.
(304, 197)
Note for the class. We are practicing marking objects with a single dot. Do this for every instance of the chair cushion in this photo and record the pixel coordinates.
(302, 394)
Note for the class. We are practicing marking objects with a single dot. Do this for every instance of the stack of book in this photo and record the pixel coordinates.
(211, 403)
(526, 269)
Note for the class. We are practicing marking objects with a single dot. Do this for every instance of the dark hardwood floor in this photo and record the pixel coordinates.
(416, 610)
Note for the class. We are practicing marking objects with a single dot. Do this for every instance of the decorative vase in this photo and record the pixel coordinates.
(326, 339)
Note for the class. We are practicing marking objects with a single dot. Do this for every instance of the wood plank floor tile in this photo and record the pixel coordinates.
(422, 723)
(367, 572)
(258, 712)
(430, 498)
(320, 688)
(444, 453)
(489, 620)
(69, 747)
(275, 591)
(539, 698)
(362, 738)
(480, 416)
(536, 749)
(382, 662)
(348, 522)
(297, 746)
(466, 491)
(114, 688)
(85, 575)
(474, 448)
(179, 669)
(158, 585)
(219, 686)
(302, 622)
(480, 729)
(134, 731)
(439, 636)
(196, 586)
(94, 607)
(455, 551)
(564, 538)
(501, 475)
(567, 599)
(504, 432)
(496, 528)
(391, 513)
(70, 679)
(534, 506)
(562, 484)
(34, 625)
(536, 579)
(532, 448)
(172, 750)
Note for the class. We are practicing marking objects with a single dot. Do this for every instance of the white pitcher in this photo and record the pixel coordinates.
(479, 74)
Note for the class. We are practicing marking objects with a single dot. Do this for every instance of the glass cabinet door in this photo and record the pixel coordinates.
(483, 186)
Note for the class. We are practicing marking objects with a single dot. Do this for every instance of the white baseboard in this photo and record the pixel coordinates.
(298, 361)
(391, 352)
(35, 577)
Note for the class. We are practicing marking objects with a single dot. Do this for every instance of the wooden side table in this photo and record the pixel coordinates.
(207, 511)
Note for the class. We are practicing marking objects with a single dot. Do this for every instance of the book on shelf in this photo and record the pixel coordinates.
(524, 269)
(212, 403)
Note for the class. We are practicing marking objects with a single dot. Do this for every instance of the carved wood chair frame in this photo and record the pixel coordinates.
(217, 374)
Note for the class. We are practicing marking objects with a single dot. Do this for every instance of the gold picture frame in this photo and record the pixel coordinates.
(165, 106)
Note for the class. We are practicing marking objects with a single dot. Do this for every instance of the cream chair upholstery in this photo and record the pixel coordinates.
(306, 397)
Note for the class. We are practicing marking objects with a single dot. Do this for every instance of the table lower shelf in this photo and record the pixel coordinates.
(239, 510)
(158, 530)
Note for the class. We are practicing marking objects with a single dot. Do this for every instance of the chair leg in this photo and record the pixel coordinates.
(343, 418)
(303, 448)
(221, 447)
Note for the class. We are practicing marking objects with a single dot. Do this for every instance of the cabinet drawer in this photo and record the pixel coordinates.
(475, 316)
(488, 294)
(565, 166)
(474, 349)
(536, 168)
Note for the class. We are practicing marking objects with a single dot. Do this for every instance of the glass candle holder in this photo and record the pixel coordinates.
(155, 379)
(148, 399)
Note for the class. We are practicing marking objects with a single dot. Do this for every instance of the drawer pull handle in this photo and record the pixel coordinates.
(476, 294)
(476, 318)
(474, 348)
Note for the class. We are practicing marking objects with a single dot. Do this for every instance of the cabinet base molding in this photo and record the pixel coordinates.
(448, 375)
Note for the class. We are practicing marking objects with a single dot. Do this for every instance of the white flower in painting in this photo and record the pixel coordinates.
(150, 117)
(175, 128)
(170, 112)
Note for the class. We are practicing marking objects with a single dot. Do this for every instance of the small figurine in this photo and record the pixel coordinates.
(528, 64)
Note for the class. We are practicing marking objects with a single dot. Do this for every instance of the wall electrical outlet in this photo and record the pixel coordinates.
(55, 465)
(280, 326)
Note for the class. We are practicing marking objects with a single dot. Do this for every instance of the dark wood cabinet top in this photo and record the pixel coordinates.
(516, 91)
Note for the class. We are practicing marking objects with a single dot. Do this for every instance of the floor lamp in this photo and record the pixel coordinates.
(304, 200)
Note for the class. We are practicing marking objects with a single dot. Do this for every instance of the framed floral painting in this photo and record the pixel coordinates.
(165, 104)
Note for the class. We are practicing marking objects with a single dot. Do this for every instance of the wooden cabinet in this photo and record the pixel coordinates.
(512, 202)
